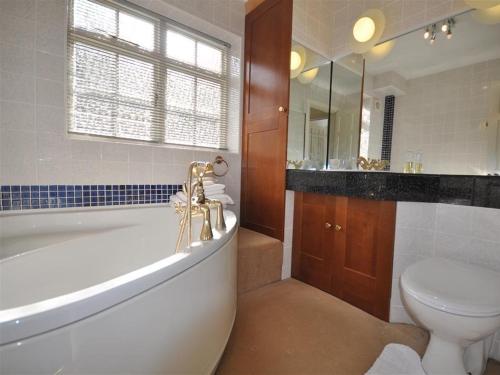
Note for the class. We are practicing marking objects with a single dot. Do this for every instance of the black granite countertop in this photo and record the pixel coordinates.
(480, 191)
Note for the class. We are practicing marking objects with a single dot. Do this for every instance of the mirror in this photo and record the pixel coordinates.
(347, 79)
(428, 105)
(433, 105)
(309, 111)
(323, 121)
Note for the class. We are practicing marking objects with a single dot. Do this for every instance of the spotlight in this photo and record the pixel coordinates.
(427, 33)
(433, 33)
(449, 34)
(445, 27)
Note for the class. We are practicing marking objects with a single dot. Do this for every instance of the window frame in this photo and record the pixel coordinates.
(160, 61)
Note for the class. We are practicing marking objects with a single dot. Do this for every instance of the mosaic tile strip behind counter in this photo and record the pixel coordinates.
(26, 197)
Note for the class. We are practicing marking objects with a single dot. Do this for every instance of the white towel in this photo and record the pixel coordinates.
(224, 198)
(214, 188)
(175, 199)
(180, 197)
(397, 359)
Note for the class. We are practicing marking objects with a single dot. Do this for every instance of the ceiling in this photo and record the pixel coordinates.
(412, 56)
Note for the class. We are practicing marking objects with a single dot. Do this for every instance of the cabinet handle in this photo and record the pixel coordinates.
(328, 225)
(281, 109)
(338, 228)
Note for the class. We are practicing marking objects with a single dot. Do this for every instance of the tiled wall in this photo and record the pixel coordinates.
(34, 146)
(442, 114)
(468, 234)
(388, 127)
(325, 25)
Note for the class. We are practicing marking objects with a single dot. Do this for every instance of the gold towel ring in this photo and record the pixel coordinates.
(218, 161)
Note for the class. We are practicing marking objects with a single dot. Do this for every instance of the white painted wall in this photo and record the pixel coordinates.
(34, 145)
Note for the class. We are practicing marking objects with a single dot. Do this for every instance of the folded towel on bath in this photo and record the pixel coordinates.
(213, 188)
(180, 197)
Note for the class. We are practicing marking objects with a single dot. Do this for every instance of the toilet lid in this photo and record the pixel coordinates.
(455, 287)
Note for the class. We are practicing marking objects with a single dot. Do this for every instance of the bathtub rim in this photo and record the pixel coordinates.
(21, 324)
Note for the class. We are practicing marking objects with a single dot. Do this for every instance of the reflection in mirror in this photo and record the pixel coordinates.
(347, 76)
(433, 105)
(308, 110)
(323, 123)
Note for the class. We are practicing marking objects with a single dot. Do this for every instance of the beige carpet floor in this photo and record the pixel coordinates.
(292, 328)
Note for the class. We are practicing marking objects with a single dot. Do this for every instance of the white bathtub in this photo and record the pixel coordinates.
(101, 291)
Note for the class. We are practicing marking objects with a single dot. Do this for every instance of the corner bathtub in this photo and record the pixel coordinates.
(101, 291)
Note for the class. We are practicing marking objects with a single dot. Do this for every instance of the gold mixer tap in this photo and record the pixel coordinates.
(198, 205)
(369, 164)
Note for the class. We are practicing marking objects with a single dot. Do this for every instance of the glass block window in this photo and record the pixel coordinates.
(137, 75)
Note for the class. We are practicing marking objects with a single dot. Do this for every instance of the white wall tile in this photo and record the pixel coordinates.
(17, 87)
(50, 66)
(86, 172)
(142, 154)
(18, 8)
(114, 172)
(414, 241)
(85, 150)
(140, 172)
(114, 151)
(17, 116)
(17, 31)
(52, 147)
(57, 171)
(50, 119)
(416, 215)
(49, 93)
(17, 146)
(17, 172)
(16, 59)
(398, 314)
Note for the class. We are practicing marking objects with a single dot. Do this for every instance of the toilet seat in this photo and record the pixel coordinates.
(454, 287)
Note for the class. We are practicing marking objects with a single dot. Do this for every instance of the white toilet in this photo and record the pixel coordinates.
(459, 304)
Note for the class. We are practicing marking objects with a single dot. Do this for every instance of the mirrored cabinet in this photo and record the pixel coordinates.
(424, 102)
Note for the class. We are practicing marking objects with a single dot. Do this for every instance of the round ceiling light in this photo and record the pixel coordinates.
(297, 60)
(308, 76)
(482, 4)
(367, 30)
(363, 29)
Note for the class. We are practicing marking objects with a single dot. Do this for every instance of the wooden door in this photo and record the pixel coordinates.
(345, 246)
(268, 30)
(313, 239)
(362, 273)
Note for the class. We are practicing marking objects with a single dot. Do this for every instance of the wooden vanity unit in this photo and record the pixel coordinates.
(345, 247)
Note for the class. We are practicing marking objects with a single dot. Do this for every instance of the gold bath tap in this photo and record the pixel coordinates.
(369, 164)
(198, 205)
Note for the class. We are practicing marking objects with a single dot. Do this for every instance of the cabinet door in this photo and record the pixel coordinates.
(314, 239)
(363, 257)
(268, 36)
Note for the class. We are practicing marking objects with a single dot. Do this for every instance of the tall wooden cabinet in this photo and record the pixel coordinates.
(268, 38)
(345, 247)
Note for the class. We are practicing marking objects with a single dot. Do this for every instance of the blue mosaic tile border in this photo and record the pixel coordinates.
(27, 197)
